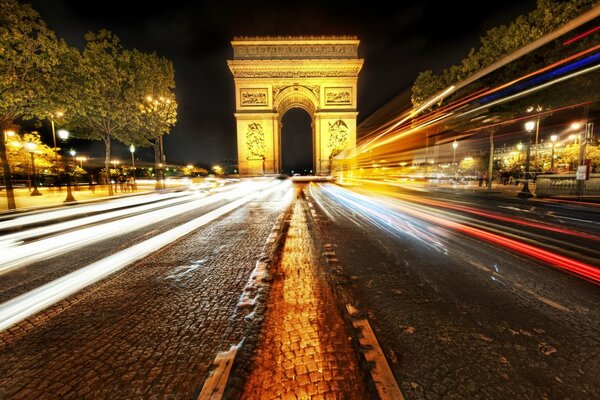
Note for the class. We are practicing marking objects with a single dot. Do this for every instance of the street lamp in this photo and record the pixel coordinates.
(454, 146)
(63, 134)
(525, 193)
(132, 151)
(31, 149)
(57, 114)
(553, 139)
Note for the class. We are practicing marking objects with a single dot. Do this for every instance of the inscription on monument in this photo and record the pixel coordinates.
(254, 97)
(337, 96)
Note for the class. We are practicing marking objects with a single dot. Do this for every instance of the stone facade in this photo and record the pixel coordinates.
(274, 75)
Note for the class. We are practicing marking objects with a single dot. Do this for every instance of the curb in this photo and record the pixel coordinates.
(226, 379)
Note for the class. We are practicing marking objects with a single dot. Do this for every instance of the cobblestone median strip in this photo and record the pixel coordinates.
(215, 384)
(305, 351)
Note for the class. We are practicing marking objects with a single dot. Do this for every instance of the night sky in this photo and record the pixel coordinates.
(397, 42)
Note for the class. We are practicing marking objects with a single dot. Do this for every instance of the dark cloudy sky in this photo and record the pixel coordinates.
(397, 42)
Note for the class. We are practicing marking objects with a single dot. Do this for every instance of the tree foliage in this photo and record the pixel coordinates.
(153, 94)
(29, 55)
(500, 41)
(20, 158)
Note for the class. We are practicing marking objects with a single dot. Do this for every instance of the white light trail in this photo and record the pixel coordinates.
(14, 238)
(532, 90)
(21, 307)
(71, 211)
(14, 257)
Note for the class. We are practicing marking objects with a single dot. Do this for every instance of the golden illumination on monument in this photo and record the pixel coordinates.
(275, 74)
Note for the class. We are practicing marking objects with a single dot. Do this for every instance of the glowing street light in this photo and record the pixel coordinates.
(454, 147)
(31, 149)
(63, 134)
(525, 193)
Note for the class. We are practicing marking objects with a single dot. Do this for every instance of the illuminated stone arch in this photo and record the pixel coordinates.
(274, 75)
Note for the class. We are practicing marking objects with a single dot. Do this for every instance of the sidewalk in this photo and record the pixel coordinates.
(305, 352)
(54, 197)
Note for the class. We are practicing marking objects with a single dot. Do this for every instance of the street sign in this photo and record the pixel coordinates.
(583, 172)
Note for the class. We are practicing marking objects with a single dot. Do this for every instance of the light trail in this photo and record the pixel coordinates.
(578, 37)
(14, 238)
(387, 215)
(14, 257)
(486, 214)
(21, 307)
(73, 211)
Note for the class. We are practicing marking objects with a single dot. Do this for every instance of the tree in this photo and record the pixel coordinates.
(570, 155)
(498, 42)
(100, 106)
(29, 53)
(153, 92)
(19, 156)
(471, 166)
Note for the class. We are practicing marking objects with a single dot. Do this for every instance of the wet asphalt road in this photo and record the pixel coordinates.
(458, 316)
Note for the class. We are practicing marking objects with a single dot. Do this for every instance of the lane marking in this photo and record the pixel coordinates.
(215, 384)
(382, 375)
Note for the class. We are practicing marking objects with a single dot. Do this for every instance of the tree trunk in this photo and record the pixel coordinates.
(10, 195)
(106, 139)
(158, 164)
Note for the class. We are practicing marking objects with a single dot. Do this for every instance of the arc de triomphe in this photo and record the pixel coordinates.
(275, 74)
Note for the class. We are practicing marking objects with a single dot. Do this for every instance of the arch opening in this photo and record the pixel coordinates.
(297, 142)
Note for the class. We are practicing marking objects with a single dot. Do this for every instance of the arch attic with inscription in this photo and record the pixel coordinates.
(275, 74)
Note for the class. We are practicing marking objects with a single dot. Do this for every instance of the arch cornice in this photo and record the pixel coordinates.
(296, 96)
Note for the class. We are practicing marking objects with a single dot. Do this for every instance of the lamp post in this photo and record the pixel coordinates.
(132, 150)
(31, 149)
(52, 116)
(553, 139)
(454, 147)
(63, 134)
(525, 193)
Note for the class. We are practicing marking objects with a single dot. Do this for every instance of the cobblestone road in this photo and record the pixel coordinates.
(149, 332)
(451, 329)
(305, 351)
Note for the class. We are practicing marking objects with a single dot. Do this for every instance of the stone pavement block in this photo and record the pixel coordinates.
(305, 343)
